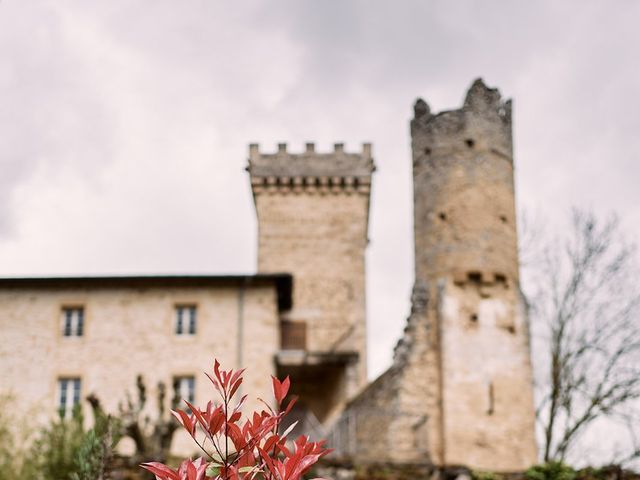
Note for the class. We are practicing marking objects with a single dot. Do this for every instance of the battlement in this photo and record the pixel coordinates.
(482, 123)
(310, 171)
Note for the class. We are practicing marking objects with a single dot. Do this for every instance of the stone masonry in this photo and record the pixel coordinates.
(313, 211)
(129, 329)
(460, 389)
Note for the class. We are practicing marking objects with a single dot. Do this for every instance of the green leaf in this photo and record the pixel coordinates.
(245, 469)
(213, 470)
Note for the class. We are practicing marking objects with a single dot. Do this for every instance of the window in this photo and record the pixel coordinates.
(185, 320)
(72, 321)
(68, 395)
(184, 388)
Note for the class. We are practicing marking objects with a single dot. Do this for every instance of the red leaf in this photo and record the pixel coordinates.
(216, 370)
(160, 470)
(280, 389)
(234, 432)
(271, 441)
(285, 387)
(240, 403)
(185, 421)
(292, 402)
(282, 447)
(191, 471)
(215, 384)
(237, 375)
(234, 387)
(198, 415)
(233, 473)
(268, 462)
(215, 421)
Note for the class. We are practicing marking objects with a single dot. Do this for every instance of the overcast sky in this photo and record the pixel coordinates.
(125, 124)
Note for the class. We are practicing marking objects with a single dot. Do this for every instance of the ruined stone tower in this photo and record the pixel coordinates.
(460, 389)
(466, 252)
(313, 211)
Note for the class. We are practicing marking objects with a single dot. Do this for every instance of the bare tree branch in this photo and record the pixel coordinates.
(586, 300)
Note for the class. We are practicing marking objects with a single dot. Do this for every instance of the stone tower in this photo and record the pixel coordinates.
(466, 254)
(459, 391)
(313, 211)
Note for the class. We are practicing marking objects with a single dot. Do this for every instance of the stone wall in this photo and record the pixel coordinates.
(130, 331)
(393, 419)
(460, 390)
(313, 211)
(466, 247)
(487, 387)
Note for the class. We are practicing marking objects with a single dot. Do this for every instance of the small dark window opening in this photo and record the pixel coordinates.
(511, 329)
(427, 151)
(503, 218)
(470, 143)
(474, 317)
(500, 278)
(475, 277)
(442, 215)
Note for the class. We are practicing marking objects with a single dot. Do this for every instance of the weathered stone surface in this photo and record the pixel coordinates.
(130, 331)
(460, 389)
(313, 211)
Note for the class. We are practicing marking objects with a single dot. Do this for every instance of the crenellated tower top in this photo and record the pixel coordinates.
(310, 171)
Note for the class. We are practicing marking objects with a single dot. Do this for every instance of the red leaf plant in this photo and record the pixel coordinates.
(238, 448)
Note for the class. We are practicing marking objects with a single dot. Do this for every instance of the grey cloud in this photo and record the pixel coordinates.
(50, 118)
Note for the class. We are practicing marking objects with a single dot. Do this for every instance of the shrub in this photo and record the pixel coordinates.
(95, 452)
(61, 451)
(8, 460)
(238, 448)
(551, 471)
(482, 475)
(53, 452)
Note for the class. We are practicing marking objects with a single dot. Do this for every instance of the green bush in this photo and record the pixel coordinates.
(60, 451)
(551, 471)
(485, 476)
(92, 458)
(11, 447)
(53, 452)
(7, 456)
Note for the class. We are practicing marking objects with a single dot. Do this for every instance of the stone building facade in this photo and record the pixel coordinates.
(459, 390)
(96, 334)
